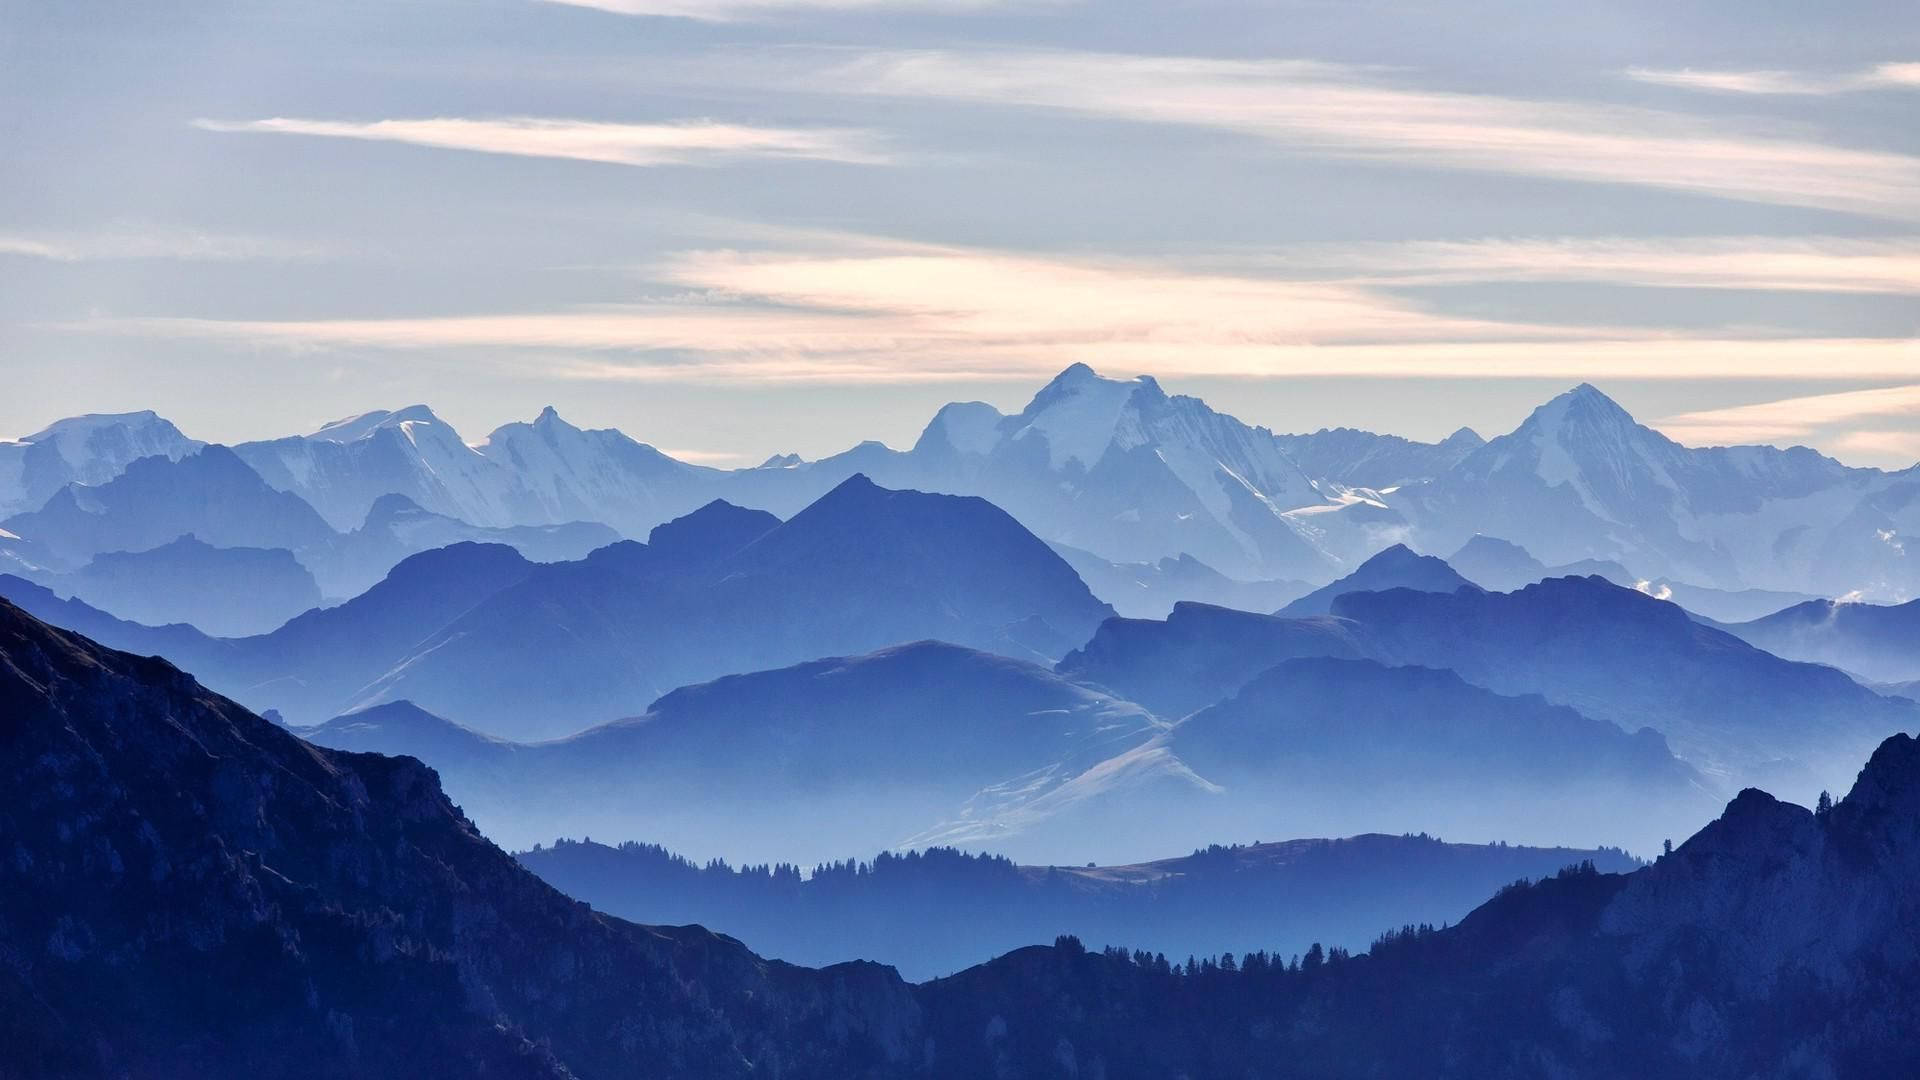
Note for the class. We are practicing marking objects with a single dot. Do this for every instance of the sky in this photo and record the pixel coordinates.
(733, 228)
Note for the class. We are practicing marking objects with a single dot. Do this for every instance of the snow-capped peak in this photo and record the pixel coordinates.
(358, 427)
(1077, 413)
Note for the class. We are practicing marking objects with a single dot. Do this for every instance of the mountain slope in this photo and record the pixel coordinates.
(1150, 590)
(1617, 654)
(1396, 567)
(208, 895)
(1880, 643)
(1493, 563)
(1336, 745)
(1199, 654)
(810, 760)
(397, 527)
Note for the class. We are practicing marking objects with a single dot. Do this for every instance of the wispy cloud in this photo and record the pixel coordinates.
(688, 143)
(918, 313)
(742, 10)
(1855, 420)
(1339, 111)
(1879, 77)
(705, 457)
(150, 242)
(1794, 264)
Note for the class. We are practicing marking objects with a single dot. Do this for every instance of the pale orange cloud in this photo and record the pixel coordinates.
(689, 143)
(1339, 111)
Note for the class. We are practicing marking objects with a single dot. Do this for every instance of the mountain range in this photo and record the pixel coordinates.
(1117, 469)
(539, 650)
(792, 763)
(168, 847)
(930, 744)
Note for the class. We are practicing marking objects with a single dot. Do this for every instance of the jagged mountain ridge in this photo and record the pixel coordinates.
(1125, 471)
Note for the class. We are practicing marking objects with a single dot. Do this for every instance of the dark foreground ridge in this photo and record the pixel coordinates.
(186, 890)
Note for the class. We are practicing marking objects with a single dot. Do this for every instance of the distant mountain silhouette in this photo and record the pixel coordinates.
(1342, 743)
(210, 494)
(1617, 654)
(819, 757)
(1199, 654)
(397, 527)
(1150, 590)
(1880, 643)
(314, 664)
(1397, 567)
(863, 567)
(227, 592)
(1283, 894)
(546, 472)
(1496, 564)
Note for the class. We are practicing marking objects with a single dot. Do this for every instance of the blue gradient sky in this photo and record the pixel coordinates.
(733, 228)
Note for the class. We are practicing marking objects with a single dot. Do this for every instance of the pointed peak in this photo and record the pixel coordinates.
(1585, 407)
(1466, 436)
(1395, 555)
(855, 483)
(1588, 397)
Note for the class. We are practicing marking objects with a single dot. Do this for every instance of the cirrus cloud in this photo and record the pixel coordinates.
(1340, 111)
(700, 142)
(902, 313)
(1851, 420)
(742, 10)
(1888, 76)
